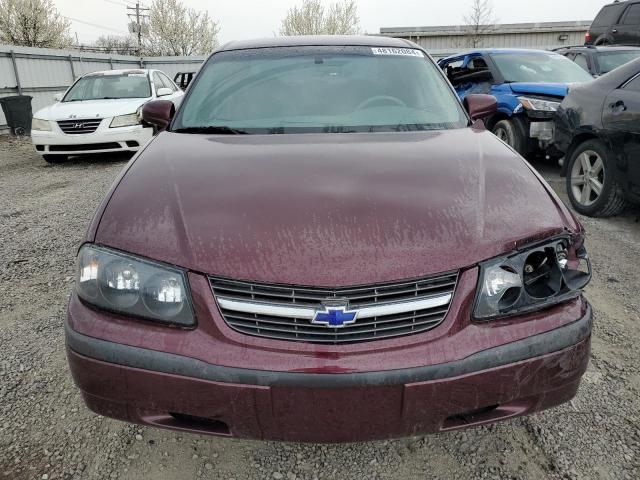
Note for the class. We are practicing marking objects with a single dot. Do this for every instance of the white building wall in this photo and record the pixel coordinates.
(528, 35)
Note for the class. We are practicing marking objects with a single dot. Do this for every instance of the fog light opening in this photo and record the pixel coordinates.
(470, 417)
(208, 425)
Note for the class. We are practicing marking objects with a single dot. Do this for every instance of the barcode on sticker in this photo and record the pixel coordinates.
(407, 52)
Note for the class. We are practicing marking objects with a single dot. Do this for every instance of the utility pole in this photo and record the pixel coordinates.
(137, 21)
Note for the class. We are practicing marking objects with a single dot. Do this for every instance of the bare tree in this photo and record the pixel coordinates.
(479, 21)
(33, 23)
(343, 18)
(174, 29)
(311, 18)
(122, 45)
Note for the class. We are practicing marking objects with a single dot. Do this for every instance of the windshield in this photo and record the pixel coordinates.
(319, 90)
(611, 60)
(538, 67)
(110, 86)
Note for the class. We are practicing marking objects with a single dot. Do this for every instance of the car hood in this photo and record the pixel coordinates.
(328, 210)
(553, 89)
(91, 109)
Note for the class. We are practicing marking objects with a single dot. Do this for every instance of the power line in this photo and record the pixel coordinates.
(115, 2)
(94, 25)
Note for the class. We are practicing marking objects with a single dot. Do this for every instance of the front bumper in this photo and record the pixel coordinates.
(103, 140)
(162, 389)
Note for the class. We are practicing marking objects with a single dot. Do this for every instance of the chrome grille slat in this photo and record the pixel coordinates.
(294, 297)
(339, 333)
(324, 291)
(265, 324)
(88, 126)
(345, 332)
(232, 317)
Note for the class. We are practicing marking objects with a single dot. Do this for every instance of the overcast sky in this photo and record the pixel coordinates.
(241, 19)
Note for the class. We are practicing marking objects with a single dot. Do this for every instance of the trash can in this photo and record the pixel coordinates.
(17, 111)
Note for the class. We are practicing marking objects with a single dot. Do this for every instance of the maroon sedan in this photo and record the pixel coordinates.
(325, 245)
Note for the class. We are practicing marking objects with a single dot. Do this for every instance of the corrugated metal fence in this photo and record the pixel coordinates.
(41, 72)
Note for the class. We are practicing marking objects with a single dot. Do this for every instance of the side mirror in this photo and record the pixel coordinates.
(158, 113)
(480, 106)
(163, 92)
(58, 97)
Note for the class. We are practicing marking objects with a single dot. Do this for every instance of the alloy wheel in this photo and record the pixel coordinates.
(503, 135)
(587, 178)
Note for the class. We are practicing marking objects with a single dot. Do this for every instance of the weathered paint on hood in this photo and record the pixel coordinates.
(553, 89)
(336, 209)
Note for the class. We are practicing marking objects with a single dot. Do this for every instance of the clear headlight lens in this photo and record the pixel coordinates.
(532, 279)
(40, 124)
(125, 284)
(125, 120)
(537, 104)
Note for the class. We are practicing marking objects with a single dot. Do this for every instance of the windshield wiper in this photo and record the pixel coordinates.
(220, 129)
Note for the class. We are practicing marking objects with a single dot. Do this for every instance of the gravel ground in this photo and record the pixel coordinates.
(47, 433)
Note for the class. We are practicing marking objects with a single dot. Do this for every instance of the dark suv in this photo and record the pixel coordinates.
(617, 24)
(600, 60)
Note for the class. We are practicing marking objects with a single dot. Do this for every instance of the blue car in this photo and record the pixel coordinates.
(528, 84)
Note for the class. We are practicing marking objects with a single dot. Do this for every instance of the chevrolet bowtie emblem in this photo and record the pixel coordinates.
(335, 316)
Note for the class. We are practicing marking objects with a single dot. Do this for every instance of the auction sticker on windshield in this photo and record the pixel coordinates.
(407, 52)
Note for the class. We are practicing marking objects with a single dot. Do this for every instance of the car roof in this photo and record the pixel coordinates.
(320, 40)
(139, 71)
(618, 2)
(598, 48)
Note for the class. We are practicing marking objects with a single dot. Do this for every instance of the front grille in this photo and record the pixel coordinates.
(84, 147)
(365, 329)
(77, 127)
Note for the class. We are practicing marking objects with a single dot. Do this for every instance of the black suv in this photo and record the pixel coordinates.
(600, 60)
(617, 24)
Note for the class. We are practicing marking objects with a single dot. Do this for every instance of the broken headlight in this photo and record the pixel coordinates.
(539, 104)
(128, 285)
(532, 279)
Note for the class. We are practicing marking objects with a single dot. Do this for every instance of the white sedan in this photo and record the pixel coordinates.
(100, 113)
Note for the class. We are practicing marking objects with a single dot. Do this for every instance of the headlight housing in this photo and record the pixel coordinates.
(532, 279)
(40, 124)
(538, 104)
(128, 285)
(128, 120)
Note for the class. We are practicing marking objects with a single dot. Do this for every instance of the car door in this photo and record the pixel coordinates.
(621, 119)
(176, 96)
(627, 31)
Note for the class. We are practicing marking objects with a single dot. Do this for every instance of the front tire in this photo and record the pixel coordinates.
(54, 158)
(511, 133)
(592, 188)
